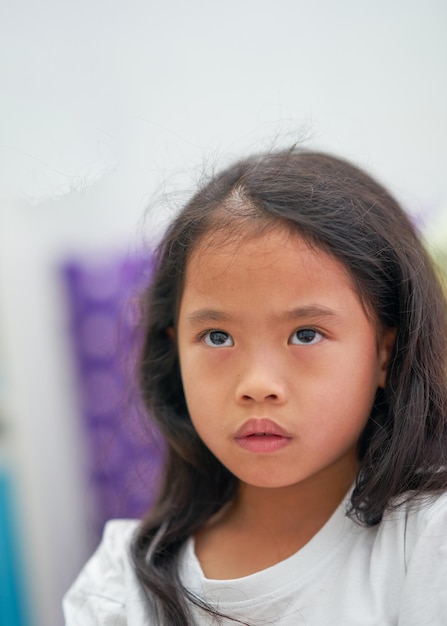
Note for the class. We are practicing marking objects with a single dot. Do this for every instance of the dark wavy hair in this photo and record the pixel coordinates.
(340, 209)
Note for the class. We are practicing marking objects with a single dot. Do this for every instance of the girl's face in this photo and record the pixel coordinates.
(280, 363)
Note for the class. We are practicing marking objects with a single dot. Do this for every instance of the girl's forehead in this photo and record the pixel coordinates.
(230, 242)
(276, 249)
(222, 261)
(268, 277)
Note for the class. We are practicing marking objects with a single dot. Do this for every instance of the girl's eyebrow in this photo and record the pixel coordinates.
(212, 315)
(312, 310)
(207, 315)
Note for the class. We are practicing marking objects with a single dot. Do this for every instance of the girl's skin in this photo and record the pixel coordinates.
(280, 364)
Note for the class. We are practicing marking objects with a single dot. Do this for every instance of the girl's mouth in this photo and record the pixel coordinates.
(262, 436)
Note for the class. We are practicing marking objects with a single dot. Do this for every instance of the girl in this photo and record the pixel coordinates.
(295, 361)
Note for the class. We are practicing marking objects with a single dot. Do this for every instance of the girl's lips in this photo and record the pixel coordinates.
(261, 427)
(262, 436)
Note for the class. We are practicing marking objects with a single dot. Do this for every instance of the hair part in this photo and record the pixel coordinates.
(339, 209)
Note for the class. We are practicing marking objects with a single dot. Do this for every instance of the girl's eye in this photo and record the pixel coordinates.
(218, 339)
(305, 336)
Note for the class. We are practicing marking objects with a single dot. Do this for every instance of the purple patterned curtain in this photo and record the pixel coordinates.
(124, 449)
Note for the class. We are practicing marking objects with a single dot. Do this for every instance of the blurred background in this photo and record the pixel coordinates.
(110, 112)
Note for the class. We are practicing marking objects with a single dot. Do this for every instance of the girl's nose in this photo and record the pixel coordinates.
(261, 382)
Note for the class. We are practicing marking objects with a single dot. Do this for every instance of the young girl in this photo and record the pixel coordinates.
(295, 361)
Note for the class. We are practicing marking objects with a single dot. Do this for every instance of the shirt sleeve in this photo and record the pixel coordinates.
(424, 597)
(98, 596)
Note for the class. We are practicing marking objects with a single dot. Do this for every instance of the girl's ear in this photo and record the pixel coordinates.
(386, 345)
(170, 331)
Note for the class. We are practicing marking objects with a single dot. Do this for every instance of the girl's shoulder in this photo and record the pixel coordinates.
(106, 582)
(418, 524)
(418, 510)
(416, 535)
(113, 553)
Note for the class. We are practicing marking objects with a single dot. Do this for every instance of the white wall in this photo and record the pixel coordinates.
(104, 103)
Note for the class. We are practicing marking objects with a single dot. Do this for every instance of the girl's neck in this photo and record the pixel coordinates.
(281, 520)
(291, 507)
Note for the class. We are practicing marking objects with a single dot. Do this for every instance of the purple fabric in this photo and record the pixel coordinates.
(125, 451)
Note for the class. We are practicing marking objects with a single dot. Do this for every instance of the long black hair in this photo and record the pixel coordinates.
(340, 209)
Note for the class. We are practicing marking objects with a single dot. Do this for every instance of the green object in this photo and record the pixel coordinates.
(12, 607)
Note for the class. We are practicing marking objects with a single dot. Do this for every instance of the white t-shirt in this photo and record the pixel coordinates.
(394, 573)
